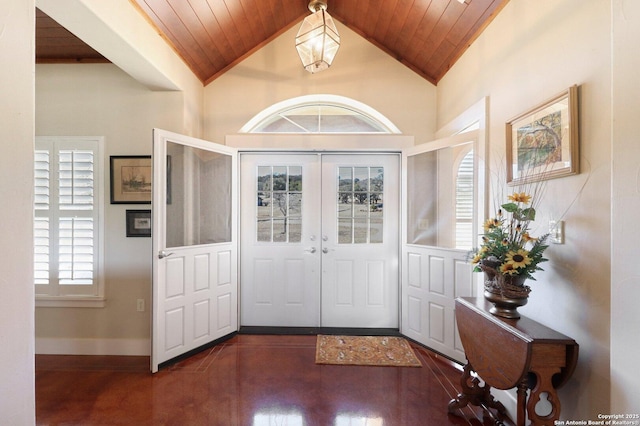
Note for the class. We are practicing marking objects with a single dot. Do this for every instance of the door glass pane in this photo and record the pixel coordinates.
(279, 213)
(345, 231)
(360, 195)
(198, 196)
(440, 187)
(376, 231)
(360, 179)
(360, 231)
(345, 204)
(345, 179)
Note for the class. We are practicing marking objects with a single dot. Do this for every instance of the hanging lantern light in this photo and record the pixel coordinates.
(317, 41)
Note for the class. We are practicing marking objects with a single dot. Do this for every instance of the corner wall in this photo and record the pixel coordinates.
(17, 41)
(625, 278)
(531, 52)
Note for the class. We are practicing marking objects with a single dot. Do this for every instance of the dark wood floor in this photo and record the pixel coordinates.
(247, 380)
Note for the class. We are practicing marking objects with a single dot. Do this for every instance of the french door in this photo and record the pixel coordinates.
(319, 240)
(194, 244)
(441, 186)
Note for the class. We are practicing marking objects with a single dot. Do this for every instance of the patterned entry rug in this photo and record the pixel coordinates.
(365, 350)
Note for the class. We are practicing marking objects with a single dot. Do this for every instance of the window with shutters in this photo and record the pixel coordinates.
(464, 203)
(67, 215)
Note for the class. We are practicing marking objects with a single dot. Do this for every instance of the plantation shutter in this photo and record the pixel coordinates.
(41, 219)
(464, 203)
(66, 218)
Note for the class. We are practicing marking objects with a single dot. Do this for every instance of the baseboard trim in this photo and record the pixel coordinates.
(72, 346)
(319, 330)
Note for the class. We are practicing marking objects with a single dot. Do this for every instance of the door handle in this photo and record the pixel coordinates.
(163, 254)
(325, 250)
(311, 250)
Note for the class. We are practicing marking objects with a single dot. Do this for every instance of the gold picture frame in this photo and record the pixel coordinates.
(543, 142)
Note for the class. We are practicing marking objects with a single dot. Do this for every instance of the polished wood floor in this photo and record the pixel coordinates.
(248, 380)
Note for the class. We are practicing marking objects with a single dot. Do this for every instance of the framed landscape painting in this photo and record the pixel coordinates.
(542, 143)
(131, 179)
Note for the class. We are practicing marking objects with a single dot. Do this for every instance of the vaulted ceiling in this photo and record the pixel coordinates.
(211, 36)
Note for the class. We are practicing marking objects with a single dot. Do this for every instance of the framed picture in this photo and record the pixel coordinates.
(138, 223)
(131, 179)
(542, 143)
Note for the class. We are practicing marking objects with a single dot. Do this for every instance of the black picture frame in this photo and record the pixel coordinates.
(138, 223)
(130, 178)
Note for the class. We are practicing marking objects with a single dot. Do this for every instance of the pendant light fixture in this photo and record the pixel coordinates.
(317, 41)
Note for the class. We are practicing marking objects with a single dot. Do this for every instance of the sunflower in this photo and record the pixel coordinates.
(520, 197)
(518, 259)
(491, 223)
(508, 269)
(526, 237)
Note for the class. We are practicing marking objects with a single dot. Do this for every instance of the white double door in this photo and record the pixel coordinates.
(319, 240)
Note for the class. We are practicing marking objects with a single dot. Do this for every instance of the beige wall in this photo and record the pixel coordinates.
(529, 53)
(101, 100)
(360, 71)
(17, 40)
(120, 33)
(625, 277)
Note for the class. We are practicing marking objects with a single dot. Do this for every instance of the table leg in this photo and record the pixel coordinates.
(544, 385)
(475, 394)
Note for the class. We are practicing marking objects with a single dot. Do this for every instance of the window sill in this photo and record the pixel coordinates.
(70, 302)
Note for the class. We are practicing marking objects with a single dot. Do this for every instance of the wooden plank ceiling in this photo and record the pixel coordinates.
(211, 36)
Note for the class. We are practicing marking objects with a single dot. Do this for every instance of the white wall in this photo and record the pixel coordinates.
(101, 100)
(625, 277)
(529, 53)
(17, 40)
(360, 71)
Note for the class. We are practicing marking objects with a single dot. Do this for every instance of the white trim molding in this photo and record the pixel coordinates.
(74, 346)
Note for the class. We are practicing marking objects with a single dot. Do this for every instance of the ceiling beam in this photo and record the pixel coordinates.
(116, 30)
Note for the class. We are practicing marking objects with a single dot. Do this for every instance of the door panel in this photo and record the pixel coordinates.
(194, 264)
(360, 226)
(438, 234)
(280, 252)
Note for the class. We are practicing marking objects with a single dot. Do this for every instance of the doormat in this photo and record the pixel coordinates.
(365, 350)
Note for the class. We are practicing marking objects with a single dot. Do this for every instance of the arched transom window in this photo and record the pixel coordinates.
(320, 114)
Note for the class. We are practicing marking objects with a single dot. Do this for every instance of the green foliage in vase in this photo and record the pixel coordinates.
(507, 245)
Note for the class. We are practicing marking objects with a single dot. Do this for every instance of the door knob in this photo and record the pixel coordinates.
(163, 254)
(325, 250)
(311, 250)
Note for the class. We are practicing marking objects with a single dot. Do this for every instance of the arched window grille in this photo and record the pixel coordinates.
(320, 114)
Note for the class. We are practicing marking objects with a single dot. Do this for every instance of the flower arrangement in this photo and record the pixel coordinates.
(507, 248)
